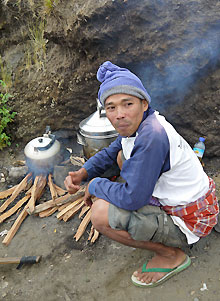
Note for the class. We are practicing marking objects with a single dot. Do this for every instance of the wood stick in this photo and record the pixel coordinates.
(53, 191)
(29, 185)
(29, 190)
(21, 186)
(36, 192)
(41, 185)
(72, 212)
(32, 201)
(95, 236)
(83, 225)
(91, 232)
(48, 212)
(83, 211)
(4, 194)
(61, 207)
(11, 211)
(60, 191)
(59, 201)
(11, 233)
(50, 204)
(65, 210)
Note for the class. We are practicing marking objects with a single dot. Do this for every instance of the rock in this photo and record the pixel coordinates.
(61, 172)
(171, 45)
(16, 173)
(2, 177)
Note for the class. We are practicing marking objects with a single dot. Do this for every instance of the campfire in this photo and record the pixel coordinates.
(41, 155)
(33, 188)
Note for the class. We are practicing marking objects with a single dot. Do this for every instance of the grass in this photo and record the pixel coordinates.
(5, 74)
(36, 46)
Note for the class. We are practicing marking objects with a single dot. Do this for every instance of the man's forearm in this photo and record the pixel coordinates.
(83, 173)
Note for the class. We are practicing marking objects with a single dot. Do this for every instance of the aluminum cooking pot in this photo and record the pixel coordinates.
(42, 153)
(95, 132)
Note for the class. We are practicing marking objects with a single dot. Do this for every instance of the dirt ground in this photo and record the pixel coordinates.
(72, 270)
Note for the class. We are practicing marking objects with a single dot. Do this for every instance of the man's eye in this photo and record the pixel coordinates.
(110, 108)
(129, 104)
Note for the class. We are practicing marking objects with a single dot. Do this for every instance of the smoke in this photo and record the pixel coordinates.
(170, 77)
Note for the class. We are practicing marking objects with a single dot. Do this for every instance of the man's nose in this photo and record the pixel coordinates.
(120, 113)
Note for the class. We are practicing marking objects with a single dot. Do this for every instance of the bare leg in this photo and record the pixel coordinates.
(165, 257)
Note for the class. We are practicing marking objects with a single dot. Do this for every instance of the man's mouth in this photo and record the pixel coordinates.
(122, 125)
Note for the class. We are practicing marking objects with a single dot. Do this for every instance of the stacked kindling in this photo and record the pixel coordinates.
(67, 205)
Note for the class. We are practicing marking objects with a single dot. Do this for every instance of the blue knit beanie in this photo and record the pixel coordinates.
(116, 80)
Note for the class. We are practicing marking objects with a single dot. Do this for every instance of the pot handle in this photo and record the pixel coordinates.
(81, 139)
(42, 148)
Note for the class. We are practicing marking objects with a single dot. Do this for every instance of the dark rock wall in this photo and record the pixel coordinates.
(172, 45)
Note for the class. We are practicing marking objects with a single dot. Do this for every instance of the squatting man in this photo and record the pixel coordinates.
(165, 201)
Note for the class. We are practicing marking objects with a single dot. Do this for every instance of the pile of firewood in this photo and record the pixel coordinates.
(67, 205)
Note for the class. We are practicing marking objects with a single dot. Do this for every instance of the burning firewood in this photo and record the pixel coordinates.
(39, 184)
(53, 190)
(21, 186)
(33, 195)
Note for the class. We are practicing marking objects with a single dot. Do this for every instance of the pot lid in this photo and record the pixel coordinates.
(97, 125)
(42, 148)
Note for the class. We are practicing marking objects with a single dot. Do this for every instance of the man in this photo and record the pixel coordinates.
(166, 201)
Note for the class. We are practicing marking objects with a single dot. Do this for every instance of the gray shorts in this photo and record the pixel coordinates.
(149, 223)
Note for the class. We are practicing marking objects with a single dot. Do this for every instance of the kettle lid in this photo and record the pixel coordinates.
(97, 125)
(42, 147)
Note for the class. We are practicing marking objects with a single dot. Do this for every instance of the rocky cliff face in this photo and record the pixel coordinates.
(50, 52)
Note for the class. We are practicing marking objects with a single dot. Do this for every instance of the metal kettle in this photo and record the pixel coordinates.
(95, 132)
(42, 153)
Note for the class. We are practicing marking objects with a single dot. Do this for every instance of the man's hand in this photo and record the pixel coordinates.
(88, 197)
(74, 179)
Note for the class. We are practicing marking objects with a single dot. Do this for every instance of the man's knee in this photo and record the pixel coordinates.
(99, 217)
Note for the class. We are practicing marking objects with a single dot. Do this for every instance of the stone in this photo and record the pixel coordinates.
(16, 173)
(171, 45)
(61, 172)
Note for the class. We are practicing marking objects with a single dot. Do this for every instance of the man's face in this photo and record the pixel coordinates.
(125, 112)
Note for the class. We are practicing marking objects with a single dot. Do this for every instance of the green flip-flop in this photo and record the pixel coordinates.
(170, 273)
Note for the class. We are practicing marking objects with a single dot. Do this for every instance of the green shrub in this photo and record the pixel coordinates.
(6, 116)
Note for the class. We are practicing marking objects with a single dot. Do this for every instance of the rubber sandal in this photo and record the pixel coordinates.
(170, 273)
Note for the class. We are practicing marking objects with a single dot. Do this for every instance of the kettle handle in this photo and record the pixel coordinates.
(42, 148)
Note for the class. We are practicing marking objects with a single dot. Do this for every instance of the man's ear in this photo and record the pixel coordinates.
(145, 104)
